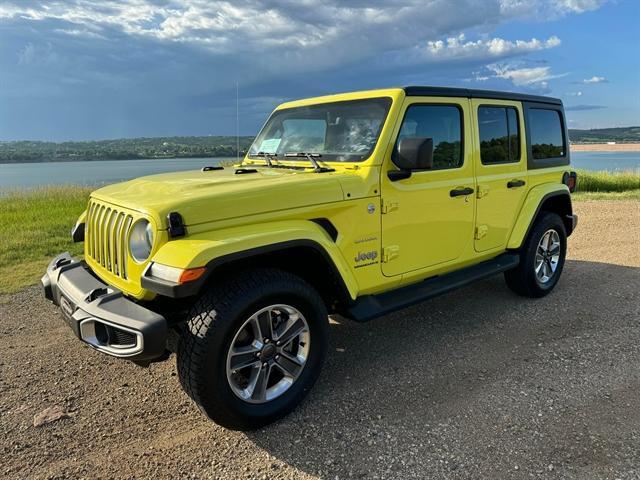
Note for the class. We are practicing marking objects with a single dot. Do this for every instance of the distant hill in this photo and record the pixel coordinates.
(601, 135)
(121, 149)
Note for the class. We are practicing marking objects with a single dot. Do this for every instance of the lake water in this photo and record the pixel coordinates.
(611, 161)
(20, 175)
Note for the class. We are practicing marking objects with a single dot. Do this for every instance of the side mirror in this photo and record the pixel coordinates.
(413, 153)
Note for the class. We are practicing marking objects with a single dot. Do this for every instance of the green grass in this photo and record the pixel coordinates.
(35, 225)
(608, 182)
(628, 195)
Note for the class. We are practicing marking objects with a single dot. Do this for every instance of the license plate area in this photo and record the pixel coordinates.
(67, 308)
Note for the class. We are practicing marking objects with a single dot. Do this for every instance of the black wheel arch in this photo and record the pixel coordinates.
(304, 258)
(558, 202)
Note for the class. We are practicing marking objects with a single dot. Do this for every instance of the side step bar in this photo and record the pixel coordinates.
(372, 306)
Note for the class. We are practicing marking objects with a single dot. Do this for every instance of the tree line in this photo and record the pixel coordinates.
(122, 149)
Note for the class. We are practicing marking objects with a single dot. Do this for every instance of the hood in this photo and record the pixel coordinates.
(222, 194)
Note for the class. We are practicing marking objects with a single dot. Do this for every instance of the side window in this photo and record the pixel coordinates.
(442, 123)
(547, 138)
(499, 135)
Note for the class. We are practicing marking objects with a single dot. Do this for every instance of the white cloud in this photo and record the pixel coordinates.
(459, 47)
(548, 9)
(33, 54)
(595, 79)
(536, 77)
(579, 6)
(478, 76)
(574, 94)
(79, 32)
(525, 75)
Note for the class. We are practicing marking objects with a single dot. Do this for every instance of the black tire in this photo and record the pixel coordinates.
(214, 321)
(523, 279)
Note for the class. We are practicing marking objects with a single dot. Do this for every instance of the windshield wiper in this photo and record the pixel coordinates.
(312, 158)
(270, 158)
(267, 156)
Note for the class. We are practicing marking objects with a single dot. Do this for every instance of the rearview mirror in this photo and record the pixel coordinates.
(414, 153)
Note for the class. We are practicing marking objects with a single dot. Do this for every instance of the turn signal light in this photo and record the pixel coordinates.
(191, 274)
(175, 275)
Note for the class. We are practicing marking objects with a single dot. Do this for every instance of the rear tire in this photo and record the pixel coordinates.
(542, 258)
(242, 317)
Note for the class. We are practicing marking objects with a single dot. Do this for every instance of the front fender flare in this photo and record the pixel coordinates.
(217, 247)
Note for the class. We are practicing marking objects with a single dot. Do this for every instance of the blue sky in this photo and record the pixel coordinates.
(84, 69)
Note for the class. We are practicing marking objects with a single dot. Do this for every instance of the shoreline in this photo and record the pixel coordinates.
(605, 147)
(92, 160)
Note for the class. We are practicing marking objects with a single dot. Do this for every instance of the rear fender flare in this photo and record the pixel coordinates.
(532, 206)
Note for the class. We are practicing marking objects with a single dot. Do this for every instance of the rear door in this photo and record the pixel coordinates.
(501, 170)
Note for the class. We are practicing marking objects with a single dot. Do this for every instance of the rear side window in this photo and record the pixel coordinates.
(547, 138)
(499, 135)
(442, 123)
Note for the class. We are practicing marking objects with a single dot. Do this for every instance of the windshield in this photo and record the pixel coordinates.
(340, 131)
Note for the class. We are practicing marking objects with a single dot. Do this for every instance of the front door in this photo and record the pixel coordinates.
(501, 170)
(428, 218)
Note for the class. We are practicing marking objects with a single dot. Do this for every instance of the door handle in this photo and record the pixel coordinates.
(458, 192)
(515, 183)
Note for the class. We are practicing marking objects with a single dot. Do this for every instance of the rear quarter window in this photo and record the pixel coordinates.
(546, 138)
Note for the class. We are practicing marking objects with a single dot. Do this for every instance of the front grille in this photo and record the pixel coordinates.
(107, 231)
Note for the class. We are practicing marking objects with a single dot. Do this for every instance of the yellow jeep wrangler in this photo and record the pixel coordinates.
(355, 204)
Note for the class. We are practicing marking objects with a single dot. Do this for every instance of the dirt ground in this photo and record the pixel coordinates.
(478, 383)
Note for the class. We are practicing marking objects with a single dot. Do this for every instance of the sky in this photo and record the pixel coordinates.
(89, 69)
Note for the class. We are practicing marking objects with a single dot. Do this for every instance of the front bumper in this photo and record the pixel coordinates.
(102, 316)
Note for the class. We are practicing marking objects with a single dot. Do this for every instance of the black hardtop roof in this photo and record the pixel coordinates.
(424, 91)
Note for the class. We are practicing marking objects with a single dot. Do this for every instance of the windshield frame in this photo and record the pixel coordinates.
(386, 102)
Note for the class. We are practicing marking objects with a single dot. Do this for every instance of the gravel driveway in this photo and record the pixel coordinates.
(476, 384)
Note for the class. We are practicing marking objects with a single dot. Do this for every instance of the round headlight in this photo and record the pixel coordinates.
(141, 241)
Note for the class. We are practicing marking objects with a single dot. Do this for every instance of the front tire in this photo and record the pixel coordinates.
(541, 259)
(253, 347)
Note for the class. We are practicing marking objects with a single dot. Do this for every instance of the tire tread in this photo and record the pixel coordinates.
(520, 279)
(210, 316)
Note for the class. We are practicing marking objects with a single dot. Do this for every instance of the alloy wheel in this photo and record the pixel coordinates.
(547, 256)
(268, 353)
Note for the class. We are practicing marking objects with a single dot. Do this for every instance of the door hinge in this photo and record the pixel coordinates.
(390, 252)
(482, 191)
(389, 205)
(481, 231)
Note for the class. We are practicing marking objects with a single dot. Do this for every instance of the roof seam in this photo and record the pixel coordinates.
(473, 93)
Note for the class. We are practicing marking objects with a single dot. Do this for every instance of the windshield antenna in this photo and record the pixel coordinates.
(237, 123)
